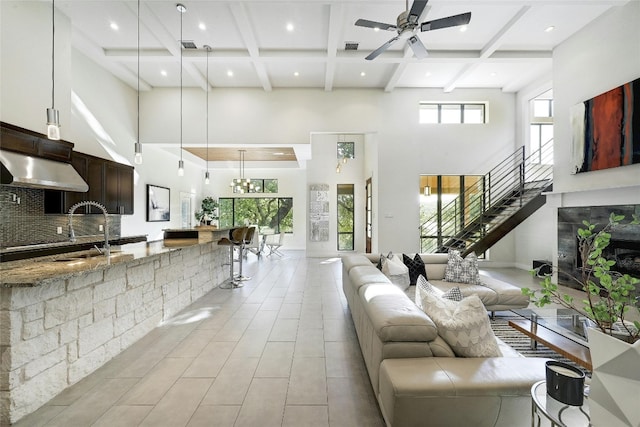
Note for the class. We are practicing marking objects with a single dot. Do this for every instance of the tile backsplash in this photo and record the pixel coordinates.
(23, 222)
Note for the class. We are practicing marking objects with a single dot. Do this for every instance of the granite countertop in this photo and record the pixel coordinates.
(42, 270)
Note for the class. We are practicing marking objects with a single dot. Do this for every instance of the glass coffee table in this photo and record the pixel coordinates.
(560, 329)
(559, 414)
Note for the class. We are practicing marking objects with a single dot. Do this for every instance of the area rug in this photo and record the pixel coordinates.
(522, 343)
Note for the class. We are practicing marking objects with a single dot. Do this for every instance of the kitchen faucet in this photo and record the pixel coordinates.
(72, 235)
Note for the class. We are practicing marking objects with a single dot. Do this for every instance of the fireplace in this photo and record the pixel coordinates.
(624, 247)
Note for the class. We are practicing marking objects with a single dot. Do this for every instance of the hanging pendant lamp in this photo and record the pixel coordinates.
(206, 175)
(182, 9)
(137, 159)
(53, 115)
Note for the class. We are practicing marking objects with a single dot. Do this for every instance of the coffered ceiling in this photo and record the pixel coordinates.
(302, 44)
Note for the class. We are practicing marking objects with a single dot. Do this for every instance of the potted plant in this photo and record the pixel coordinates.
(610, 297)
(613, 391)
(208, 211)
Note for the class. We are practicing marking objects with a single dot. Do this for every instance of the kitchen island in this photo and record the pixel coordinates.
(64, 316)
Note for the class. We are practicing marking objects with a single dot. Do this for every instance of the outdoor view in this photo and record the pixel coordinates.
(269, 213)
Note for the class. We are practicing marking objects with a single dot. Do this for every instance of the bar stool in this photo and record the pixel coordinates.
(248, 238)
(235, 240)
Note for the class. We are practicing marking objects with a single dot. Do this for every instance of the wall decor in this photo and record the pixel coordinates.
(606, 129)
(158, 203)
(319, 212)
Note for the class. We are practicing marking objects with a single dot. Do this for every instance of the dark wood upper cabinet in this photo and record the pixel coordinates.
(31, 143)
(110, 184)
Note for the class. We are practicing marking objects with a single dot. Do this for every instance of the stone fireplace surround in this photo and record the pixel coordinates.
(624, 247)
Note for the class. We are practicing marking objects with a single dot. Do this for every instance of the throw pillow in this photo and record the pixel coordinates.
(463, 325)
(415, 266)
(396, 271)
(423, 286)
(379, 265)
(462, 270)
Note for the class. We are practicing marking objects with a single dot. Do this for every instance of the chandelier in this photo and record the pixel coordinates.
(243, 185)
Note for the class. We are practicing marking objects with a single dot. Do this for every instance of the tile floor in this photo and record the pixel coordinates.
(281, 351)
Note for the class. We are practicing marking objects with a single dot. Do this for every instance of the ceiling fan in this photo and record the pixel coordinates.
(407, 26)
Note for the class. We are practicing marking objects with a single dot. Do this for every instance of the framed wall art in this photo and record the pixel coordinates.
(158, 203)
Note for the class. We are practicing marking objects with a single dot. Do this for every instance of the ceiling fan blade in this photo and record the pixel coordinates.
(451, 21)
(418, 48)
(382, 48)
(374, 24)
(416, 10)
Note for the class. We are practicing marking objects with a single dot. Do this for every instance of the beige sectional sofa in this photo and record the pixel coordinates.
(414, 373)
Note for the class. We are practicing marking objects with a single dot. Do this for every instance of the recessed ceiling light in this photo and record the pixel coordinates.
(295, 73)
(463, 28)
(229, 73)
(362, 74)
(376, 29)
(163, 72)
(202, 26)
(493, 74)
(549, 29)
(279, 153)
(114, 26)
(290, 27)
(427, 74)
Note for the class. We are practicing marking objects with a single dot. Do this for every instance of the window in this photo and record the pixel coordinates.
(541, 129)
(467, 113)
(345, 217)
(275, 213)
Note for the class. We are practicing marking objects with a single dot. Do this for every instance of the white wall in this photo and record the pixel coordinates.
(402, 149)
(604, 55)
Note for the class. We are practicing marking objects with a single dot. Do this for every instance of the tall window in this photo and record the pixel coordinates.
(467, 113)
(345, 217)
(274, 213)
(541, 128)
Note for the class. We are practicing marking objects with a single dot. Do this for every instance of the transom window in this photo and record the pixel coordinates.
(451, 113)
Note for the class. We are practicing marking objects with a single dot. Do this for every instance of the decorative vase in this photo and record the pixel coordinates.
(615, 382)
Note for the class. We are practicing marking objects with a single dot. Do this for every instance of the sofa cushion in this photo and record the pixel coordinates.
(463, 325)
(396, 271)
(394, 316)
(348, 262)
(487, 295)
(364, 274)
(461, 392)
(415, 266)
(462, 270)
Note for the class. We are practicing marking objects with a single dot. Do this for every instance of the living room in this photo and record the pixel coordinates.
(391, 147)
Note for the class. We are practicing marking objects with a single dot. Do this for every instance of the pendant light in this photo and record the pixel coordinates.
(137, 159)
(206, 175)
(53, 115)
(242, 185)
(182, 9)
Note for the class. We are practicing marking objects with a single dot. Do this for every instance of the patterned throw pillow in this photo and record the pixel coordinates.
(379, 265)
(423, 286)
(463, 325)
(415, 266)
(462, 270)
(396, 271)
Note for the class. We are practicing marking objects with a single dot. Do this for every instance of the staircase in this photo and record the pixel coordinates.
(492, 207)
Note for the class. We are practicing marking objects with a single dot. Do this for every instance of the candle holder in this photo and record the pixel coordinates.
(565, 383)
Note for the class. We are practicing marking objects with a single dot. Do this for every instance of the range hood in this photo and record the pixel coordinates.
(21, 170)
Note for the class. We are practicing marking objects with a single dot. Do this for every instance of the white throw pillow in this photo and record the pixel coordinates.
(463, 325)
(396, 271)
(462, 270)
(423, 286)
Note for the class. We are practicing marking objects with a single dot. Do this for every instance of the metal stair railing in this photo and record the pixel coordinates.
(490, 201)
